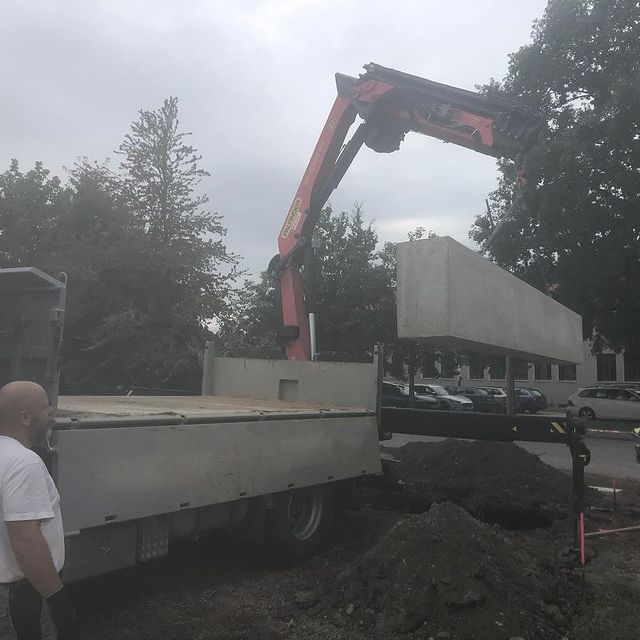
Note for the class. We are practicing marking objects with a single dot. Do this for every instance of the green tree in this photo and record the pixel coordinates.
(31, 204)
(575, 229)
(85, 230)
(356, 300)
(105, 253)
(148, 269)
(356, 304)
(187, 271)
(250, 329)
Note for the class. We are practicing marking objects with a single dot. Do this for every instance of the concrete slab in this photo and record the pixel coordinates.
(451, 296)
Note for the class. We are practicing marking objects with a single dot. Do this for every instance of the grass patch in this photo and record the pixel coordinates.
(610, 613)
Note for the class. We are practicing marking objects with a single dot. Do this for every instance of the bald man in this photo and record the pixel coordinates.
(31, 533)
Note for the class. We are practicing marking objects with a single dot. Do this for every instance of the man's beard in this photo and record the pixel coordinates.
(41, 432)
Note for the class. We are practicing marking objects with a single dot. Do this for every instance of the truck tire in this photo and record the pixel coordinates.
(302, 521)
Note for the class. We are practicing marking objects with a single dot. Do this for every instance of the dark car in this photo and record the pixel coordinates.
(397, 395)
(530, 400)
(482, 400)
(448, 402)
(499, 396)
(540, 397)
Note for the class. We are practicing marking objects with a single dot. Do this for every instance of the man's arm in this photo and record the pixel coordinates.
(33, 556)
(34, 559)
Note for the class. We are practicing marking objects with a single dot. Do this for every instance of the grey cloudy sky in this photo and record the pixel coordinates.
(255, 83)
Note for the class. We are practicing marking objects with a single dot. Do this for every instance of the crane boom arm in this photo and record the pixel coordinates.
(390, 104)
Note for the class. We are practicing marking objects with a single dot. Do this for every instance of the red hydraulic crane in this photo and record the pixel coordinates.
(390, 104)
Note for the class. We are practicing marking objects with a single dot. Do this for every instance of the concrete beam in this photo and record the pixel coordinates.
(451, 296)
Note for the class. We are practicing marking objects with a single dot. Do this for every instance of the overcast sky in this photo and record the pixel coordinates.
(255, 79)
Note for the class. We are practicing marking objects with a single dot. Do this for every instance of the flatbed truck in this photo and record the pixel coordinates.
(264, 452)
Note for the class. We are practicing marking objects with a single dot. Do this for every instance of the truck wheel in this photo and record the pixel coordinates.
(302, 521)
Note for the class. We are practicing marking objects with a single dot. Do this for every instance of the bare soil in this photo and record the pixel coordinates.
(471, 545)
(495, 482)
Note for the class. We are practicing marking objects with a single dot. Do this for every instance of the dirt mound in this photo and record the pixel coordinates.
(444, 574)
(495, 482)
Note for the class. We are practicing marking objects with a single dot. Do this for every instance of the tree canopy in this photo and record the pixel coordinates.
(146, 261)
(575, 230)
(355, 297)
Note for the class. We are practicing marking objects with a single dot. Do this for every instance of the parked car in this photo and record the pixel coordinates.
(447, 401)
(541, 399)
(482, 400)
(605, 402)
(530, 400)
(397, 395)
(526, 399)
(500, 397)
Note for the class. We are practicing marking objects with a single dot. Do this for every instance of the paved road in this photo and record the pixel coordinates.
(613, 458)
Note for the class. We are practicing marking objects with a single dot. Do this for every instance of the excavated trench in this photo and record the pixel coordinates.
(413, 499)
(497, 483)
(514, 518)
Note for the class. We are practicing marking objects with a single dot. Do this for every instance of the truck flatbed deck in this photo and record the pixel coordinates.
(207, 406)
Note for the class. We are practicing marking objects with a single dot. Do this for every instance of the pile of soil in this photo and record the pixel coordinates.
(444, 572)
(496, 482)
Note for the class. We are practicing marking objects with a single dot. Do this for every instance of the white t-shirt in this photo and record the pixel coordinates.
(27, 492)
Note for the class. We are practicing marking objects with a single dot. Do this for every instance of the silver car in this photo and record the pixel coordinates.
(500, 397)
(606, 402)
(448, 402)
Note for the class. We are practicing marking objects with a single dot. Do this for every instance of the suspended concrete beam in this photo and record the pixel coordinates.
(451, 296)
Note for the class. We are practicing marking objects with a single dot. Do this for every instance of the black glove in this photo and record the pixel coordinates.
(64, 615)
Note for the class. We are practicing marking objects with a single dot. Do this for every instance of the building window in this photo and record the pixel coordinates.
(632, 367)
(497, 368)
(520, 369)
(429, 365)
(542, 371)
(448, 366)
(606, 364)
(567, 372)
(476, 367)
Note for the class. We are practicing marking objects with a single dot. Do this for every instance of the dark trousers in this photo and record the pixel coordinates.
(23, 614)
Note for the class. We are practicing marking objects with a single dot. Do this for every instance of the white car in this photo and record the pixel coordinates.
(606, 402)
(447, 401)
